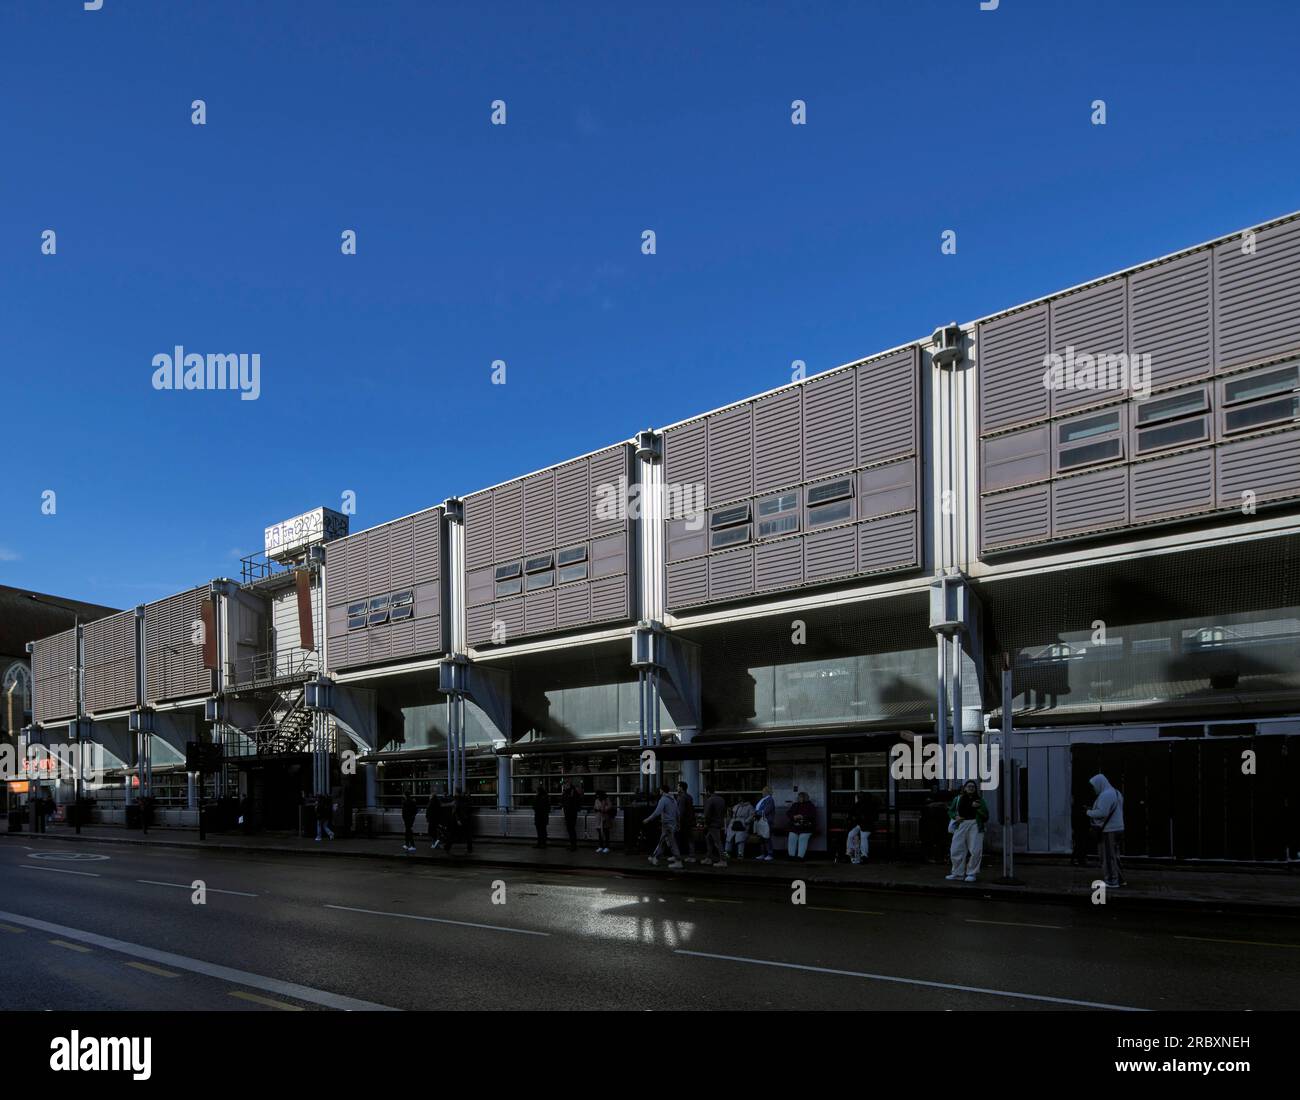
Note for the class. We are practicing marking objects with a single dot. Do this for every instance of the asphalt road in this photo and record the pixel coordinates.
(100, 926)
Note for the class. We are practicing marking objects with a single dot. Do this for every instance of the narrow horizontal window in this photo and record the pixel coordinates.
(357, 608)
(512, 586)
(732, 536)
(570, 573)
(1153, 411)
(1264, 384)
(535, 581)
(1089, 453)
(1257, 416)
(378, 602)
(399, 613)
(538, 565)
(399, 599)
(572, 554)
(377, 617)
(505, 572)
(781, 525)
(772, 506)
(729, 517)
(825, 514)
(830, 490)
(1087, 428)
(356, 622)
(1171, 435)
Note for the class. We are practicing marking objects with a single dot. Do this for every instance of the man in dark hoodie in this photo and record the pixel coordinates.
(571, 803)
(715, 820)
(541, 813)
(324, 816)
(409, 810)
(461, 826)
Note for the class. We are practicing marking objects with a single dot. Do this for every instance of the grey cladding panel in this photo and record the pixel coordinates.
(1090, 502)
(829, 554)
(889, 543)
(885, 489)
(510, 613)
(778, 564)
(731, 575)
(379, 560)
(480, 587)
(478, 529)
(1169, 318)
(53, 681)
(609, 599)
(830, 425)
(507, 521)
(402, 550)
(1268, 466)
(1011, 353)
(539, 512)
(609, 470)
(173, 662)
(731, 455)
(687, 538)
(688, 583)
(1093, 322)
(573, 606)
(1257, 298)
(574, 503)
(609, 556)
(110, 663)
(539, 611)
(1020, 516)
(778, 440)
(888, 400)
(1019, 458)
(685, 454)
(478, 624)
(1182, 484)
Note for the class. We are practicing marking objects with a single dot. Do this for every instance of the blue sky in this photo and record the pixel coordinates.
(523, 242)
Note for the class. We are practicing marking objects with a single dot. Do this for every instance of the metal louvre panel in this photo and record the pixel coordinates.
(574, 503)
(336, 570)
(609, 599)
(778, 440)
(683, 542)
(1170, 318)
(427, 531)
(609, 469)
(828, 554)
(480, 587)
(889, 543)
(379, 561)
(1257, 298)
(478, 530)
(1010, 355)
(778, 564)
(402, 551)
(572, 606)
(53, 683)
(507, 521)
(358, 576)
(539, 512)
(110, 663)
(1020, 516)
(359, 647)
(1268, 466)
(428, 634)
(688, 583)
(1094, 322)
(731, 455)
(1090, 502)
(428, 599)
(685, 454)
(829, 426)
(1019, 458)
(478, 624)
(510, 613)
(1181, 484)
(173, 663)
(609, 556)
(887, 405)
(731, 574)
(401, 638)
(381, 643)
(885, 489)
(539, 612)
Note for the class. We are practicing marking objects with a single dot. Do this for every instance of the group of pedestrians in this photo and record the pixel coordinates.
(446, 825)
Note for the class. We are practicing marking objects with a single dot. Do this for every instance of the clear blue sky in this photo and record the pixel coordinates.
(523, 243)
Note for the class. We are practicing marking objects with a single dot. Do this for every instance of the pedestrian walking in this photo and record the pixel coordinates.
(433, 818)
(409, 810)
(742, 820)
(461, 826)
(324, 816)
(606, 811)
(802, 817)
(541, 813)
(968, 813)
(571, 803)
(1107, 814)
(666, 813)
(764, 819)
(862, 819)
(686, 822)
(715, 820)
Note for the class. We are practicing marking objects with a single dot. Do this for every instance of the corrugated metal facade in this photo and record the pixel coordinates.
(1216, 433)
(111, 671)
(54, 680)
(552, 551)
(383, 589)
(816, 484)
(173, 647)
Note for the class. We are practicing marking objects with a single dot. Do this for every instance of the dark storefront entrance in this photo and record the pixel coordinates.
(275, 787)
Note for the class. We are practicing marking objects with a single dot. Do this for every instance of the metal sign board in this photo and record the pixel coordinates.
(291, 535)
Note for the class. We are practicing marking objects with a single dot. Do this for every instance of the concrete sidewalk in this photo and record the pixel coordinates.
(1151, 885)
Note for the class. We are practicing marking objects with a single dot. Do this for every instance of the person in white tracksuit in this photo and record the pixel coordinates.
(1108, 813)
(968, 814)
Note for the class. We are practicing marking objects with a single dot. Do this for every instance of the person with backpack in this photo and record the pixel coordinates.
(742, 820)
(862, 819)
(606, 811)
(802, 817)
(409, 810)
(571, 803)
(1107, 816)
(666, 813)
(715, 817)
(686, 822)
(764, 819)
(968, 813)
(324, 815)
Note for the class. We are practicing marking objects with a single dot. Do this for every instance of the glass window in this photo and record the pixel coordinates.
(1261, 385)
(378, 602)
(538, 565)
(1088, 427)
(732, 536)
(830, 490)
(357, 608)
(570, 573)
(836, 512)
(377, 617)
(728, 517)
(1170, 435)
(1256, 416)
(779, 526)
(356, 622)
(1090, 453)
(399, 613)
(573, 554)
(772, 506)
(510, 587)
(1167, 408)
(539, 580)
(513, 569)
(400, 599)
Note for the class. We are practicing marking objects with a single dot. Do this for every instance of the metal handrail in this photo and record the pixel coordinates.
(285, 664)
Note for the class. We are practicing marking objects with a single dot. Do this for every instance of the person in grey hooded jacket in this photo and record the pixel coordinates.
(1107, 813)
(666, 812)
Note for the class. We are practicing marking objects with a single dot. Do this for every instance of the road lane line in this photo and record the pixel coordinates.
(837, 909)
(191, 886)
(60, 870)
(266, 1001)
(912, 981)
(71, 946)
(198, 966)
(158, 970)
(1015, 924)
(1251, 943)
(440, 920)
(11, 928)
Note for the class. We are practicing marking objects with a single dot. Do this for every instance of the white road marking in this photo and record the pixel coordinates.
(1015, 924)
(60, 870)
(913, 981)
(69, 857)
(439, 920)
(190, 886)
(198, 966)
